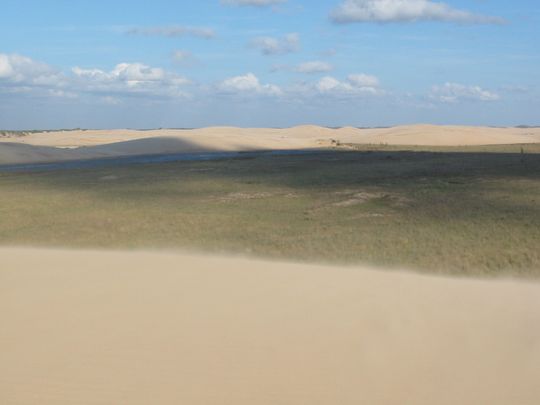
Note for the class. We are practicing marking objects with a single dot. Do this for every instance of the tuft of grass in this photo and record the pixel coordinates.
(472, 211)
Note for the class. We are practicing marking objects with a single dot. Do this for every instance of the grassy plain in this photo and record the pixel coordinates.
(457, 210)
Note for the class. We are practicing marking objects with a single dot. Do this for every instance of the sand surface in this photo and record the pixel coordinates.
(73, 145)
(147, 328)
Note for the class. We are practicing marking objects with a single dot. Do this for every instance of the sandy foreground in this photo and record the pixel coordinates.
(156, 328)
(90, 144)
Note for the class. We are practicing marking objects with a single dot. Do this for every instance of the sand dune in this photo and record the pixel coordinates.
(73, 145)
(434, 135)
(140, 328)
(14, 153)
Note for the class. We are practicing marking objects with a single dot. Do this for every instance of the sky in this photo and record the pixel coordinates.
(268, 63)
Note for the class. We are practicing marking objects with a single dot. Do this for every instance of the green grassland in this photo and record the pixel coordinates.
(455, 210)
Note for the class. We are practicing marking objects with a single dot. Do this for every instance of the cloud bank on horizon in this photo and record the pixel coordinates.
(247, 62)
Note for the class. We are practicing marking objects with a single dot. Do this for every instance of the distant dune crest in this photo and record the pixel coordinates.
(54, 146)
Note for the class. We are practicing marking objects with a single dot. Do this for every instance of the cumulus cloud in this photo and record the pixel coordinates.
(454, 93)
(6, 70)
(385, 11)
(355, 84)
(314, 67)
(132, 74)
(18, 71)
(248, 84)
(174, 31)
(131, 78)
(255, 3)
(23, 75)
(277, 46)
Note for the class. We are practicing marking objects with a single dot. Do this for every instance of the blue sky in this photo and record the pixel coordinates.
(140, 64)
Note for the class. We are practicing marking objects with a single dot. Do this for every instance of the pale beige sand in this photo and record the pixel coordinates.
(142, 328)
(65, 145)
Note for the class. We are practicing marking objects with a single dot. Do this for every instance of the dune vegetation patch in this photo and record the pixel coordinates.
(350, 198)
(244, 196)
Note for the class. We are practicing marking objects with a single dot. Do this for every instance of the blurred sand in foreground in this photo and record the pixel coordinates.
(157, 328)
(91, 144)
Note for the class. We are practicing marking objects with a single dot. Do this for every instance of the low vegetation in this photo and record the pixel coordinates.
(12, 133)
(446, 210)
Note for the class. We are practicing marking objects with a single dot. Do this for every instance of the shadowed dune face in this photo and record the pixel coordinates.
(139, 328)
(17, 153)
(89, 144)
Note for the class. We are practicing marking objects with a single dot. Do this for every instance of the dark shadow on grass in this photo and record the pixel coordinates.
(403, 171)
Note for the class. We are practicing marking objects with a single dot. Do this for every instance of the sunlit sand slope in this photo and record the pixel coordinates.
(72, 145)
(142, 328)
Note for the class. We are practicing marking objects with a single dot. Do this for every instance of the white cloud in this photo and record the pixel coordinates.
(248, 84)
(355, 84)
(256, 3)
(454, 92)
(6, 70)
(130, 73)
(131, 78)
(350, 11)
(17, 70)
(328, 83)
(363, 80)
(173, 31)
(22, 75)
(276, 46)
(314, 67)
